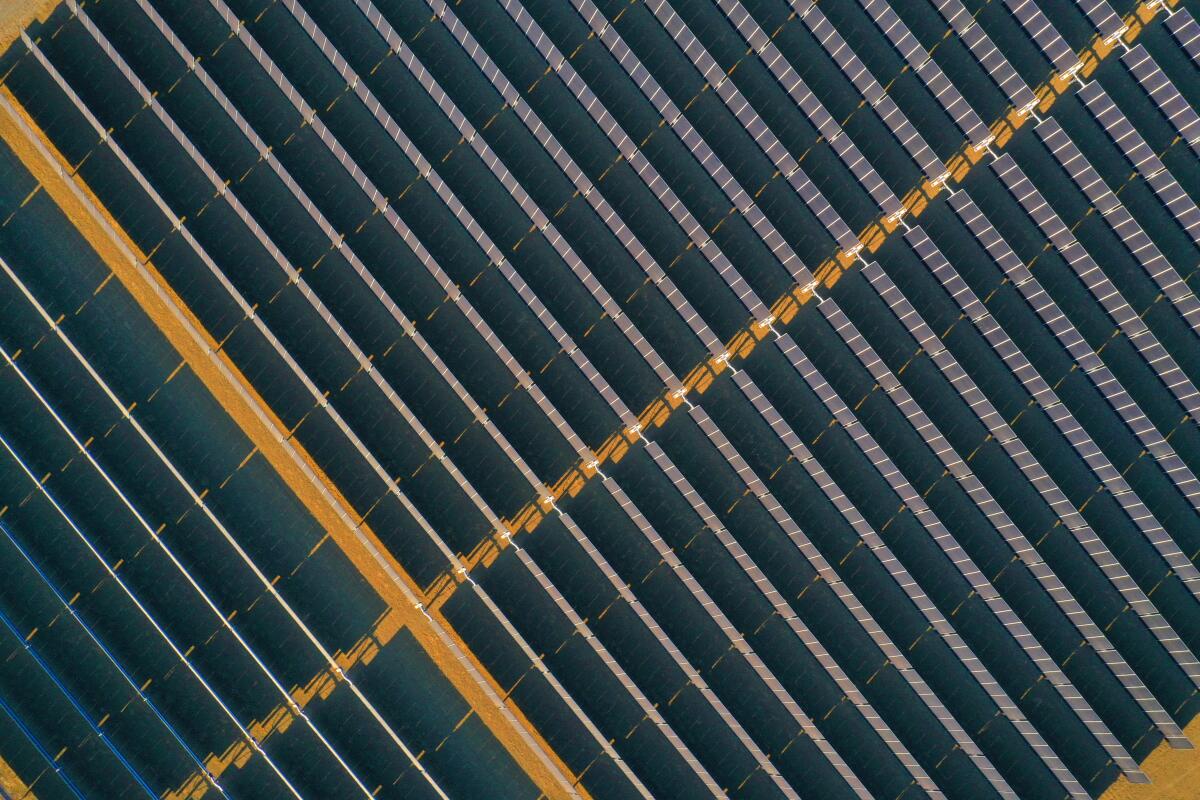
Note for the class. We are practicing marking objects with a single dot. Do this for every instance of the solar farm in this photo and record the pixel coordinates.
(599, 399)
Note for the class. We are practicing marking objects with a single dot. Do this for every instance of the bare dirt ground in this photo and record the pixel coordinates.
(12, 784)
(1174, 774)
(16, 14)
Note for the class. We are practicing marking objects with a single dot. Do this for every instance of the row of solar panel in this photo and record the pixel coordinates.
(489, 469)
(164, 645)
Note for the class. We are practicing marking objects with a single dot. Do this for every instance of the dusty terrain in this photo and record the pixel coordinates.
(1175, 774)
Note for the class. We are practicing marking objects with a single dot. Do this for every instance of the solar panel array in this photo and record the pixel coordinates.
(768, 398)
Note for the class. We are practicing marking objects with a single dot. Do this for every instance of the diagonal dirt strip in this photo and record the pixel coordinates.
(281, 717)
(293, 464)
(784, 310)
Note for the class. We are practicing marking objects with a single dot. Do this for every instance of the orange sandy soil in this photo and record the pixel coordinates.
(1174, 774)
(12, 784)
(16, 14)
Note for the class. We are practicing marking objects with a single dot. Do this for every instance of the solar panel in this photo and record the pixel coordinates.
(756, 398)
